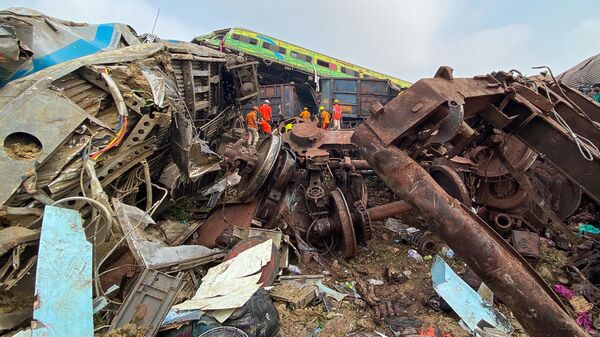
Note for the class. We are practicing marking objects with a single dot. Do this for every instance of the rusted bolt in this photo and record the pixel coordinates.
(417, 107)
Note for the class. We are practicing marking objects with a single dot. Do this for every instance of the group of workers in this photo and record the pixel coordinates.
(325, 117)
(262, 117)
(259, 116)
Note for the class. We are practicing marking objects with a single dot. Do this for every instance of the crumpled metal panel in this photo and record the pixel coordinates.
(52, 41)
(42, 114)
(465, 301)
(30, 105)
(149, 302)
(150, 254)
(63, 284)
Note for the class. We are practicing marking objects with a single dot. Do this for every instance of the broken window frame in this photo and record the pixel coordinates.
(245, 39)
(326, 64)
(273, 47)
(350, 72)
(300, 56)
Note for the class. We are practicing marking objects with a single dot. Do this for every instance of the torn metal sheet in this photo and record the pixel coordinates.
(29, 125)
(467, 304)
(148, 303)
(45, 41)
(230, 284)
(63, 285)
(11, 237)
(101, 302)
(330, 292)
(155, 255)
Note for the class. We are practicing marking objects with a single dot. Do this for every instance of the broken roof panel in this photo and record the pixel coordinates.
(34, 41)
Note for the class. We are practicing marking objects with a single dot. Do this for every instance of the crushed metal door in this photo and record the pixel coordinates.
(63, 284)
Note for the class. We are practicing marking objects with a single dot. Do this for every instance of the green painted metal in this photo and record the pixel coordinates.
(275, 50)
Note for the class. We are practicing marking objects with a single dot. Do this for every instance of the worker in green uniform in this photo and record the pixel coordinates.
(596, 92)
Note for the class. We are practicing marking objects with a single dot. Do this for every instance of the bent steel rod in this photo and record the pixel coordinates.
(505, 272)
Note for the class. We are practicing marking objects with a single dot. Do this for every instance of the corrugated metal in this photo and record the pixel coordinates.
(583, 75)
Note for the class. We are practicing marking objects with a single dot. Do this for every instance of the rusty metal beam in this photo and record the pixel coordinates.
(508, 275)
(385, 211)
(546, 137)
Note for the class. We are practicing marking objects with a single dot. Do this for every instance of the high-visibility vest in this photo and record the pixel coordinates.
(337, 112)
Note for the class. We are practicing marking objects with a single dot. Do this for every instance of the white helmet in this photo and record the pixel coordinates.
(267, 101)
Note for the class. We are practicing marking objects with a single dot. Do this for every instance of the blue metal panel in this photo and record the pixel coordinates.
(79, 48)
(465, 301)
(346, 85)
(63, 282)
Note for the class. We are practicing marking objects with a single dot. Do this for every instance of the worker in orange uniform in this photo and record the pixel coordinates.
(324, 117)
(337, 115)
(252, 126)
(305, 114)
(266, 128)
(266, 111)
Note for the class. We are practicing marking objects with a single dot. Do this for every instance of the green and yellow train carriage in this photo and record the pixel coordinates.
(269, 48)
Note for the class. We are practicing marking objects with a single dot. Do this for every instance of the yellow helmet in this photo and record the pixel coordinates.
(321, 108)
(336, 101)
(305, 108)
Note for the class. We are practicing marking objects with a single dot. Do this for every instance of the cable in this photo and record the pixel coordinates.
(585, 151)
(148, 212)
(148, 184)
(580, 111)
(115, 141)
(96, 203)
(579, 140)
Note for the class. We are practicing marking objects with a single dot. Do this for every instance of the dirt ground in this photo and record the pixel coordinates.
(354, 317)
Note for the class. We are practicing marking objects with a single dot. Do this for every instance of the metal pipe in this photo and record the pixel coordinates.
(357, 163)
(505, 272)
(385, 211)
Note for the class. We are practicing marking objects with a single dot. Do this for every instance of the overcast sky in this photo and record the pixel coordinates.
(409, 40)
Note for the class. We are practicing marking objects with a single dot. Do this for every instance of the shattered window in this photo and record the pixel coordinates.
(323, 63)
(326, 64)
(301, 57)
(248, 39)
(350, 72)
(273, 47)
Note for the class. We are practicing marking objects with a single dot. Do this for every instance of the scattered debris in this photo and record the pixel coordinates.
(465, 302)
(170, 224)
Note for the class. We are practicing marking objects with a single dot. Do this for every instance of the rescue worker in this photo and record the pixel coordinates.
(265, 126)
(305, 114)
(288, 127)
(266, 111)
(596, 92)
(337, 115)
(324, 117)
(252, 126)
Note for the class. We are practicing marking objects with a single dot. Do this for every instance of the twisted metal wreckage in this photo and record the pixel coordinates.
(119, 135)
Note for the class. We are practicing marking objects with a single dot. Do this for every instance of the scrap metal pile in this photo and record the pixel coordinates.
(99, 151)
